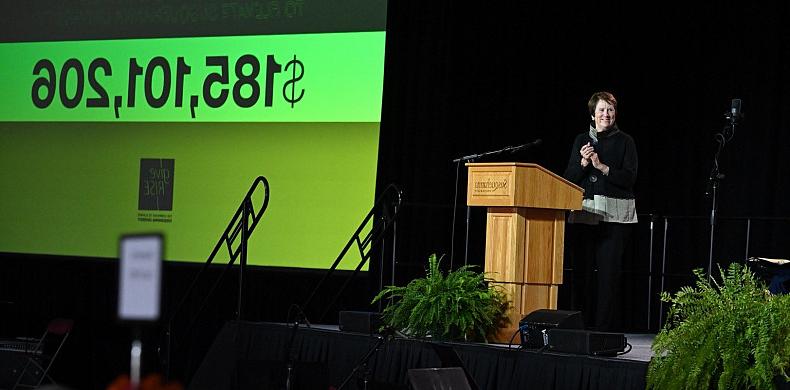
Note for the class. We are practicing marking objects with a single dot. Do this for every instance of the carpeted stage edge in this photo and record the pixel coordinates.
(252, 355)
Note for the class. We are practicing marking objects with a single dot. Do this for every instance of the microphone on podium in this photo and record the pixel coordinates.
(534, 143)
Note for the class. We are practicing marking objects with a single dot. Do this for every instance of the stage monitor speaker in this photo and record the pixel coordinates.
(450, 378)
(586, 342)
(535, 324)
(360, 321)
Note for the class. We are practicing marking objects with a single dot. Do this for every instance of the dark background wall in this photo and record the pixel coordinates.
(464, 78)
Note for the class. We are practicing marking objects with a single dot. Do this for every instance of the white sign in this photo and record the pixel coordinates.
(140, 278)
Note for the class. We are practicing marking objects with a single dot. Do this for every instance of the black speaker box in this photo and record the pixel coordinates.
(532, 326)
(586, 342)
(438, 378)
(360, 321)
(11, 364)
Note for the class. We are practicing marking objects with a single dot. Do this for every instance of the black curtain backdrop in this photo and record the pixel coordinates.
(464, 78)
(254, 355)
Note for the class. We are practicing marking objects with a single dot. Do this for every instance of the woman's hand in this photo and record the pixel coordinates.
(597, 164)
(586, 151)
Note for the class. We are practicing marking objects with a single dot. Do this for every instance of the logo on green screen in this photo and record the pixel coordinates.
(156, 184)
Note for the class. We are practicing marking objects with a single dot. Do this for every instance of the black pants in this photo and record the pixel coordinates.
(598, 262)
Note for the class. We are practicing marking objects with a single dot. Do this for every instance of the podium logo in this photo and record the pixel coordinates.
(156, 184)
(490, 184)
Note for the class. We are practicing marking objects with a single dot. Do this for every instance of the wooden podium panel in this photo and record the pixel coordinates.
(538, 296)
(520, 185)
(544, 262)
(509, 230)
(505, 232)
(525, 232)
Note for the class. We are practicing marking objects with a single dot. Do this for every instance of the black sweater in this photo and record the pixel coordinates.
(615, 149)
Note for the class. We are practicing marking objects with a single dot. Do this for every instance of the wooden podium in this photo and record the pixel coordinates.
(525, 231)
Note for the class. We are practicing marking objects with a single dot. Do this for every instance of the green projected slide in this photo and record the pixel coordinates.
(73, 191)
(108, 135)
(286, 78)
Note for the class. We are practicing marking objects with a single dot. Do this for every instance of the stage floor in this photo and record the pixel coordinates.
(640, 344)
(640, 347)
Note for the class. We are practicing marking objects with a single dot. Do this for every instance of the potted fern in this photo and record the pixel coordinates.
(457, 306)
(731, 334)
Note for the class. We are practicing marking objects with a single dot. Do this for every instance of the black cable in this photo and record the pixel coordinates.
(510, 343)
(625, 352)
(609, 352)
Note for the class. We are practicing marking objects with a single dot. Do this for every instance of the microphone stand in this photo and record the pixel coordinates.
(362, 365)
(471, 158)
(290, 359)
(715, 178)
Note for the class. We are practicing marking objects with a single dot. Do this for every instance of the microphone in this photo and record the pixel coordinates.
(536, 142)
(735, 110)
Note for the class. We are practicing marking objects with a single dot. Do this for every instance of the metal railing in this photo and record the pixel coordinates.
(234, 240)
(678, 244)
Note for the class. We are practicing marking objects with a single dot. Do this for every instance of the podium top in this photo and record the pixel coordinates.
(515, 184)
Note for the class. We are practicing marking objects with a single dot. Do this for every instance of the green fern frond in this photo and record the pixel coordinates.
(727, 333)
(459, 305)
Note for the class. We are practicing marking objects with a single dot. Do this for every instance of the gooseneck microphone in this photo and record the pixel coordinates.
(536, 142)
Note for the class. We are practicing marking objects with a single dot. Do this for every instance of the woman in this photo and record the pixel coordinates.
(603, 162)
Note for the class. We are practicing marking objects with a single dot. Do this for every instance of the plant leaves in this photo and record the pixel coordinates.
(455, 306)
(728, 334)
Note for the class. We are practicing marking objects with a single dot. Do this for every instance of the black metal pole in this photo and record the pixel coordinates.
(722, 138)
(394, 259)
(663, 272)
(650, 270)
(363, 362)
(466, 239)
(455, 209)
(712, 226)
(243, 255)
